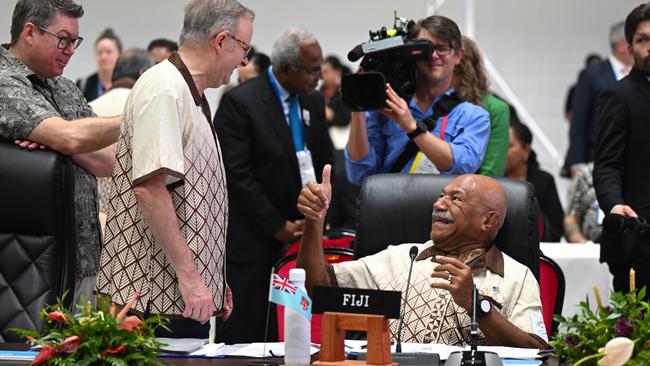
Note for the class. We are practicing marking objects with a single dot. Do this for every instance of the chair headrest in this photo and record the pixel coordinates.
(396, 208)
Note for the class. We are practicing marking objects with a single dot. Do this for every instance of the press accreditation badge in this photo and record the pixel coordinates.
(307, 173)
(422, 165)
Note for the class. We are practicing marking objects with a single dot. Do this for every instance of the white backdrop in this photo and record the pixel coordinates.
(538, 46)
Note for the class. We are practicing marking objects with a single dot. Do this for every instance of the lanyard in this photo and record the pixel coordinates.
(443, 127)
(276, 89)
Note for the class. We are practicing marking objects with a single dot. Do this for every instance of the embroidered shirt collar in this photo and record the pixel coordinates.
(491, 259)
(176, 60)
(199, 99)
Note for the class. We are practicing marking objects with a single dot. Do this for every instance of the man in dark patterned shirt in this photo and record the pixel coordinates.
(38, 107)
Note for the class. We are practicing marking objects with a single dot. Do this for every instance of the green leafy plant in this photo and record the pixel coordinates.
(585, 334)
(95, 337)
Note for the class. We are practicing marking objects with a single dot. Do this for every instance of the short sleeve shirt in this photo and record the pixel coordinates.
(25, 101)
(431, 315)
(165, 131)
(467, 132)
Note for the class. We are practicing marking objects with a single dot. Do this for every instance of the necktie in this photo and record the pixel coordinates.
(295, 123)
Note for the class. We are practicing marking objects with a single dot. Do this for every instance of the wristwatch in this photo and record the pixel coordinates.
(420, 128)
(484, 306)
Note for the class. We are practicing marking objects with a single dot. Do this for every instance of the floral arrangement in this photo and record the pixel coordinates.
(95, 337)
(612, 335)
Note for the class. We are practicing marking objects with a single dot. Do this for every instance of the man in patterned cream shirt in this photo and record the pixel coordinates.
(465, 221)
(168, 207)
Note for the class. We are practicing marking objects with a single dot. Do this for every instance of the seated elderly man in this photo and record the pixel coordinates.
(465, 221)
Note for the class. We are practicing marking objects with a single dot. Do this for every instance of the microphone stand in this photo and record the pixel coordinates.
(411, 359)
(473, 330)
(408, 358)
(398, 346)
(474, 357)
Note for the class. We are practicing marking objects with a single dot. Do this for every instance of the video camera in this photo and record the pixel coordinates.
(389, 56)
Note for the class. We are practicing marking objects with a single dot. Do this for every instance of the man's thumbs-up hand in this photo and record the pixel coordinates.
(315, 198)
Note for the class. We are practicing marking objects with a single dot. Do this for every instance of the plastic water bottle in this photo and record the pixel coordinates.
(297, 329)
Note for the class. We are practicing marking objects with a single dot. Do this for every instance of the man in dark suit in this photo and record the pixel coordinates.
(623, 152)
(274, 139)
(591, 82)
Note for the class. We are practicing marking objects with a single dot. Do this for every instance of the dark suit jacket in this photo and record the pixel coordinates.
(621, 167)
(261, 165)
(582, 131)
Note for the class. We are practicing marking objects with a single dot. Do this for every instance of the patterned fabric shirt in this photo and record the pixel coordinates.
(25, 101)
(431, 315)
(165, 131)
(583, 203)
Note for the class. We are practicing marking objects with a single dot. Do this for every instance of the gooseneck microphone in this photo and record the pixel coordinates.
(615, 223)
(412, 253)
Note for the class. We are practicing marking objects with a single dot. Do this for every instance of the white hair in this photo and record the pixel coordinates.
(616, 33)
(205, 18)
(286, 49)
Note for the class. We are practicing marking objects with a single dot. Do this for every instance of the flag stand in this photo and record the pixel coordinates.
(265, 361)
(333, 336)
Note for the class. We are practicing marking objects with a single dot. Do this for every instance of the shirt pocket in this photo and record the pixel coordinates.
(452, 131)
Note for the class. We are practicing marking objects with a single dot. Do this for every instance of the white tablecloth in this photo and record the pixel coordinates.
(582, 271)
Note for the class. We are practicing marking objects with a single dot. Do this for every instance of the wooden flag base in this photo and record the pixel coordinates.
(333, 336)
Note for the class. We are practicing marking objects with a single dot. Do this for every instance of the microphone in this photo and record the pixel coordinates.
(474, 357)
(409, 358)
(473, 330)
(615, 223)
(356, 53)
(398, 346)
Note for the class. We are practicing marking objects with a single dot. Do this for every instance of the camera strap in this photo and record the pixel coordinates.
(442, 108)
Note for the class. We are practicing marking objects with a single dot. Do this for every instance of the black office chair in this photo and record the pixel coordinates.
(396, 208)
(37, 235)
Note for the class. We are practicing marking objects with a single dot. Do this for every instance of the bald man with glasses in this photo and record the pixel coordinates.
(39, 108)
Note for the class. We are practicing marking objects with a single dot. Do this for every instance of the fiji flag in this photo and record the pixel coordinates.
(284, 292)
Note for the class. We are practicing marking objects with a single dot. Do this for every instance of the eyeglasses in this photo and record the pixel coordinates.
(442, 49)
(314, 71)
(64, 42)
(244, 46)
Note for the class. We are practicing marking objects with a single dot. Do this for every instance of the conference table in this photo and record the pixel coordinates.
(234, 361)
(579, 263)
(582, 271)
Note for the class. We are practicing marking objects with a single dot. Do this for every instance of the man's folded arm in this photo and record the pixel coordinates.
(77, 137)
(98, 163)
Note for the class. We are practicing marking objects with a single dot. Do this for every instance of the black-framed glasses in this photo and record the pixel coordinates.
(64, 41)
(442, 49)
(244, 46)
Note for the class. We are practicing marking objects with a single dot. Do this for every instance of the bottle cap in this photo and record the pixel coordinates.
(297, 275)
